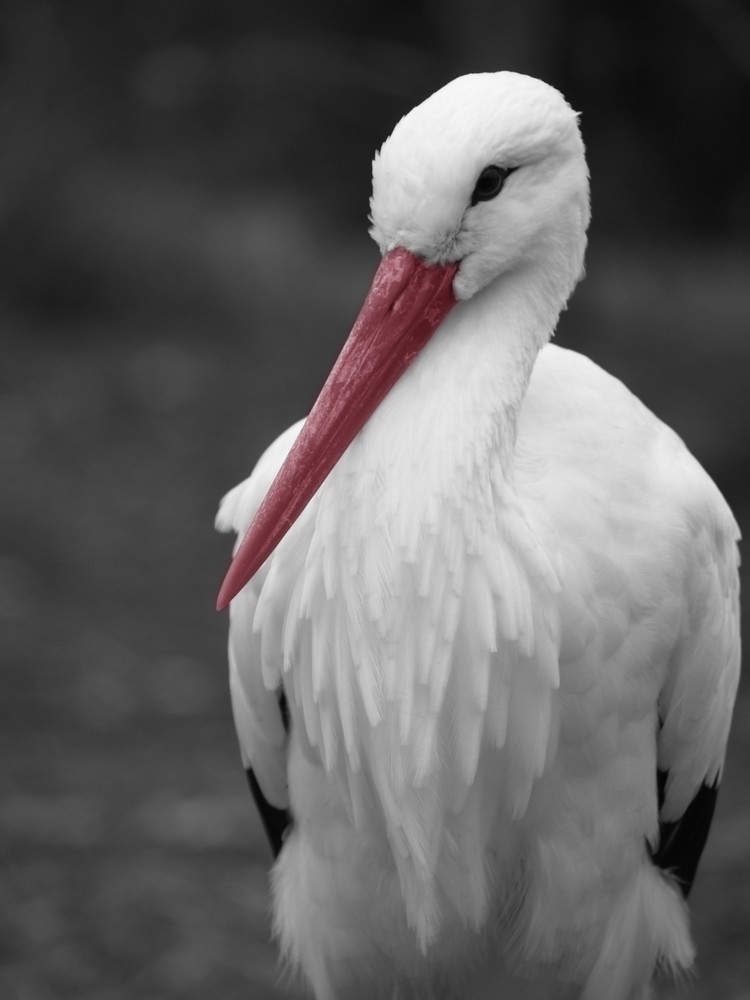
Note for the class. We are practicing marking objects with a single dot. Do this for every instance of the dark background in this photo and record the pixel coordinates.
(183, 202)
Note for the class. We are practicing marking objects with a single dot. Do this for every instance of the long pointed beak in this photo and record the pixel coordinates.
(406, 303)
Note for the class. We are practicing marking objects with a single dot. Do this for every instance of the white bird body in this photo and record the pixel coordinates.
(511, 602)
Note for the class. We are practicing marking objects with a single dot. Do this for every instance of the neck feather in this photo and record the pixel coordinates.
(457, 405)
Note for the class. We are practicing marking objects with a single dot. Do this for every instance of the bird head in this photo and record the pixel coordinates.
(489, 172)
(485, 177)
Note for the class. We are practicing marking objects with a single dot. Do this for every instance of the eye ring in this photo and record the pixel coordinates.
(490, 183)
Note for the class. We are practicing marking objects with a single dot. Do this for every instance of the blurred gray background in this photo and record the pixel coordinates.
(183, 216)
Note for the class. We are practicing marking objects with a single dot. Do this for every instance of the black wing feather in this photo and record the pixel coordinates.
(276, 822)
(681, 842)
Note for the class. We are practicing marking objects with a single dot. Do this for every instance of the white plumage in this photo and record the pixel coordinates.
(512, 601)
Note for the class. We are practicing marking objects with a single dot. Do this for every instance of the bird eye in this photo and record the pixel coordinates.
(490, 183)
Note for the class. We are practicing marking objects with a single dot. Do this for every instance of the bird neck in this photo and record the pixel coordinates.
(454, 412)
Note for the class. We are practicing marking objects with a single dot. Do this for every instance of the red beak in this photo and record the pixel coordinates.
(406, 303)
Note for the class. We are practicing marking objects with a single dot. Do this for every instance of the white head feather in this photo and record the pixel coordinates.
(425, 172)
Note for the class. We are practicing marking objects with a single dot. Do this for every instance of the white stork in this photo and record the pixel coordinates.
(484, 625)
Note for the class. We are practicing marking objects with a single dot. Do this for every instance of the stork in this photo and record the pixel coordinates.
(484, 614)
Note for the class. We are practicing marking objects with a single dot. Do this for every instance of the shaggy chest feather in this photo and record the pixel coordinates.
(418, 654)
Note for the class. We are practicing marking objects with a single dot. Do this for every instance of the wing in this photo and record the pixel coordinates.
(258, 702)
(695, 705)
(656, 512)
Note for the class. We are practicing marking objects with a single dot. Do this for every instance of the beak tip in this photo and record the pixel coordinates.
(228, 590)
(247, 561)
